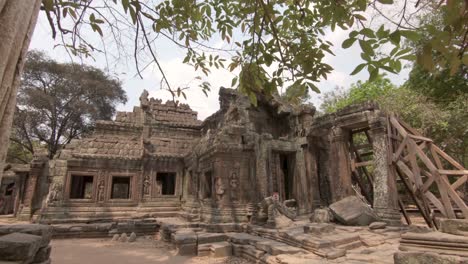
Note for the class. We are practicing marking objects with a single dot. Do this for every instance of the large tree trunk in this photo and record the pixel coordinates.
(17, 21)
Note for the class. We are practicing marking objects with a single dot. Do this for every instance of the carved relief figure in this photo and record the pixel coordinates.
(101, 187)
(55, 193)
(144, 99)
(234, 183)
(219, 188)
(146, 185)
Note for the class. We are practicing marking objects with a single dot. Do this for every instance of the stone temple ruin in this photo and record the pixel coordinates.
(263, 166)
(160, 159)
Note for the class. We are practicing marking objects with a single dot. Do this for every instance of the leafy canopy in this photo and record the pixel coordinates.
(281, 42)
(58, 102)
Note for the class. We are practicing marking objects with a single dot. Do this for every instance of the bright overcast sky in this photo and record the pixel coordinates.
(183, 75)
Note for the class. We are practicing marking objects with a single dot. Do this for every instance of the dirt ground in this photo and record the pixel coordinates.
(143, 251)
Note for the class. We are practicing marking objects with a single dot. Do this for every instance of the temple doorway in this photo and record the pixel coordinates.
(285, 180)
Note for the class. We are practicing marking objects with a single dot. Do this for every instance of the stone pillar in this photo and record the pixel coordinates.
(17, 21)
(29, 191)
(385, 191)
(340, 167)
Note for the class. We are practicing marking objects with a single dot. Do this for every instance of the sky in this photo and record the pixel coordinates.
(183, 75)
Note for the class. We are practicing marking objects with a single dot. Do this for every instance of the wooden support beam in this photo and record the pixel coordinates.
(420, 138)
(398, 127)
(454, 172)
(431, 197)
(423, 210)
(451, 192)
(403, 211)
(459, 182)
(400, 149)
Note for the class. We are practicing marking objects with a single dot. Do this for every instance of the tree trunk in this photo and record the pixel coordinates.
(17, 21)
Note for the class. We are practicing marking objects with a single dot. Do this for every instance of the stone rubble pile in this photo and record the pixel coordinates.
(449, 245)
(26, 244)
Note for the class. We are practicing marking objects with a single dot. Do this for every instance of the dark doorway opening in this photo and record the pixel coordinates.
(120, 188)
(166, 180)
(81, 187)
(287, 175)
(208, 185)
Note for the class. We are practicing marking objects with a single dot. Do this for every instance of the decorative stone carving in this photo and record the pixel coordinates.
(219, 188)
(55, 193)
(271, 208)
(146, 186)
(144, 102)
(101, 187)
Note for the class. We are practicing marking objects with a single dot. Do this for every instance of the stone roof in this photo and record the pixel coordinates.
(171, 114)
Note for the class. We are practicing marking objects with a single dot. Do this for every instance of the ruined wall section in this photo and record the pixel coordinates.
(234, 157)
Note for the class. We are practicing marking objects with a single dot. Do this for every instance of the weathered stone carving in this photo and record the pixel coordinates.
(144, 102)
(101, 187)
(219, 188)
(270, 208)
(146, 185)
(55, 193)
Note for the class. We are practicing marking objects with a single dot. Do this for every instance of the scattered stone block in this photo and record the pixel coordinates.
(423, 258)
(321, 215)
(187, 249)
(204, 238)
(353, 211)
(44, 231)
(123, 238)
(377, 225)
(132, 237)
(221, 249)
(19, 247)
(115, 237)
(184, 236)
(319, 228)
(43, 254)
(454, 226)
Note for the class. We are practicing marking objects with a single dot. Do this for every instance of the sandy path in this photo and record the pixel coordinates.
(103, 251)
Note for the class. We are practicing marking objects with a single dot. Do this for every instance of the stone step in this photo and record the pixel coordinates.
(216, 249)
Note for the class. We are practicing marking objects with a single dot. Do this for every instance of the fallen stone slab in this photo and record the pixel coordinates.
(43, 254)
(44, 231)
(211, 237)
(184, 236)
(425, 257)
(221, 249)
(353, 211)
(318, 228)
(377, 225)
(300, 259)
(19, 247)
(454, 226)
(189, 249)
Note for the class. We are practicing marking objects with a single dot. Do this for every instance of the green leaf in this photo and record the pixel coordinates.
(358, 68)
(360, 17)
(366, 47)
(348, 43)
(368, 32)
(395, 37)
(373, 74)
(48, 5)
(234, 81)
(410, 34)
(97, 29)
(386, 2)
